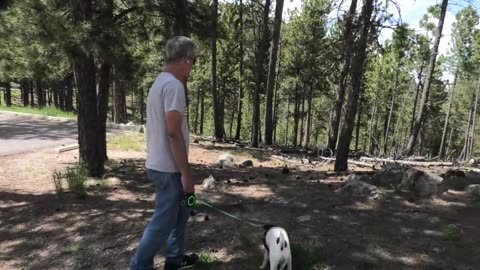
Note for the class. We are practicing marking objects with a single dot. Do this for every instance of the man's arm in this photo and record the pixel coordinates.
(177, 144)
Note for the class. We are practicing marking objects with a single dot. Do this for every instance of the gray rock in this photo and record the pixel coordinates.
(246, 163)
(421, 183)
(473, 190)
(354, 187)
(304, 218)
(226, 161)
(390, 175)
(209, 183)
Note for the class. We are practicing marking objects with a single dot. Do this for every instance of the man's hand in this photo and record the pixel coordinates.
(187, 183)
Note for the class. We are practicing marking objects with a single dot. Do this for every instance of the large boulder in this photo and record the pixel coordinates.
(421, 183)
(355, 187)
(390, 175)
(226, 161)
(209, 183)
(473, 190)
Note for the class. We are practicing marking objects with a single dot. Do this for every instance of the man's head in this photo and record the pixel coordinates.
(181, 54)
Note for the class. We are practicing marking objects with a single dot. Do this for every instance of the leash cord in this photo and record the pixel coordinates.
(230, 215)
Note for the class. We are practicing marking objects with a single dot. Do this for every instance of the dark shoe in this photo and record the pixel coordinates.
(187, 263)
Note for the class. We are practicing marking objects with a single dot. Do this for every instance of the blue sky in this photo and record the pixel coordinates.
(411, 12)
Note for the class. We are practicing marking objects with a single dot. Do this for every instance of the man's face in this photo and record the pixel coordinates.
(189, 63)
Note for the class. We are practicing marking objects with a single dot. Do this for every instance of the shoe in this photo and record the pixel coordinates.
(187, 263)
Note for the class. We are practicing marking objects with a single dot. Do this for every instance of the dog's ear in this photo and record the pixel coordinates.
(267, 227)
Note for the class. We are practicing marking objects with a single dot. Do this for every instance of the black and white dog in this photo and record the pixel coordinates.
(277, 248)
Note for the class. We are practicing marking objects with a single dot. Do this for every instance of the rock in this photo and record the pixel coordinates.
(472, 161)
(421, 183)
(209, 183)
(225, 160)
(473, 190)
(285, 170)
(316, 211)
(456, 180)
(301, 205)
(196, 141)
(141, 130)
(434, 220)
(246, 163)
(239, 145)
(304, 218)
(390, 175)
(354, 187)
(358, 177)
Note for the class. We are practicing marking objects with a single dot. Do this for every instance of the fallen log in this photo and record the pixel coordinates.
(354, 162)
(407, 162)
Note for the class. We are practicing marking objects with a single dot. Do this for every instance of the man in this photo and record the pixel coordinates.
(167, 161)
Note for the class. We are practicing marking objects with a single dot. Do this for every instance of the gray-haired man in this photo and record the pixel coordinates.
(167, 161)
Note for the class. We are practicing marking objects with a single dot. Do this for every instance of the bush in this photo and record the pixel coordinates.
(75, 177)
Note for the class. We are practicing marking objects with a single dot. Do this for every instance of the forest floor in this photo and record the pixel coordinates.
(42, 230)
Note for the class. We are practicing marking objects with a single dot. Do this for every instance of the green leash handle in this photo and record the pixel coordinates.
(190, 200)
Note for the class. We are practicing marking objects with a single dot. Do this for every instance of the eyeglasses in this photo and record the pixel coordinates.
(193, 59)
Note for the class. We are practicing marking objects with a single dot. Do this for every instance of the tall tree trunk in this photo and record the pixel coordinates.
(69, 93)
(288, 120)
(25, 89)
(347, 49)
(217, 113)
(272, 72)
(104, 76)
(463, 154)
(54, 89)
(202, 114)
(84, 68)
(302, 120)
(180, 26)
(296, 116)
(259, 74)
(356, 78)
(447, 117)
(474, 116)
(419, 86)
(422, 113)
(359, 120)
(32, 99)
(240, 95)
(8, 94)
(373, 126)
(306, 138)
(61, 95)
(197, 112)
(392, 105)
(40, 100)
(120, 113)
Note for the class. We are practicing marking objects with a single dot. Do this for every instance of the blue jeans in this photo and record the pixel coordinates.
(167, 225)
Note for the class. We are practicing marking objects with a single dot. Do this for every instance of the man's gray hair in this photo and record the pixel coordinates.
(178, 47)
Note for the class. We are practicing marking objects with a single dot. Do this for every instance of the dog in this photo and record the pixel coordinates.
(277, 248)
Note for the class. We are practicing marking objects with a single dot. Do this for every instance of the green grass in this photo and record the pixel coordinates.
(451, 234)
(206, 261)
(48, 111)
(308, 258)
(75, 178)
(128, 141)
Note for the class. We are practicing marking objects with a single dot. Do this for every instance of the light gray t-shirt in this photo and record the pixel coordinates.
(167, 94)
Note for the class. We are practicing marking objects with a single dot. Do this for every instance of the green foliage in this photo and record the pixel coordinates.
(307, 257)
(75, 178)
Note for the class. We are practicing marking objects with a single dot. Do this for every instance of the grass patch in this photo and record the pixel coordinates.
(206, 261)
(75, 178)
(451, 234)
(73, 248)
(48, 111)
(128, 141)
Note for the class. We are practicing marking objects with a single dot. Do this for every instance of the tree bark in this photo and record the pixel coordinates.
(25, 90)
(84, 69)
(306, 138)
(69, 93)
(180, 26)
(8, 94)
(259, 75)
(32, 99)
(202, 114)
(240, 95)
(472, 140)
(217, 113)
(422, 113)
(119, 112)
(419, 86)
(54, 89)
(347, 49)
(39, 88)
(447, 117)
(272, 73)
(296, 116)
(392, 105)
(357, 70)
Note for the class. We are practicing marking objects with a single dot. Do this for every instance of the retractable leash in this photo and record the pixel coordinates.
(191, 200)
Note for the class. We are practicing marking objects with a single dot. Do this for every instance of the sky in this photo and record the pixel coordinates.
(411, 12)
